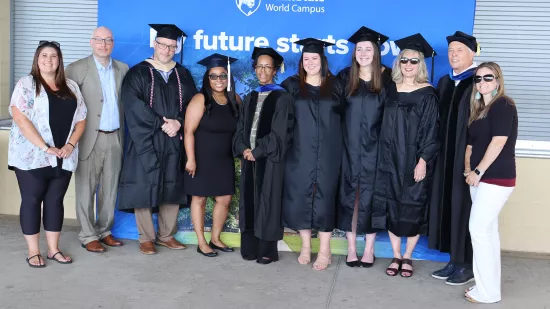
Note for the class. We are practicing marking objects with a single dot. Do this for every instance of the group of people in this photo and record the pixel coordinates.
(369, 149)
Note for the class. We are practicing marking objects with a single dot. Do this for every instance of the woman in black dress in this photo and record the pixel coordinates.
(366, 80)
(408, 147)
(210, 122)
(313, 161)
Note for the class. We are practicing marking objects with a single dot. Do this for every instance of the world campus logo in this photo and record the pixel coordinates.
(248, 7)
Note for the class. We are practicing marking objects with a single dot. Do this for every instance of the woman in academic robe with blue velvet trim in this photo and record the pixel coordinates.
(264, 133)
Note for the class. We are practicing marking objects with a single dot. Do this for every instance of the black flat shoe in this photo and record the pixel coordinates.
(355, 263)
(265, 261)
(368, 265)
(209, 254)
(249, 257)
(222, 249)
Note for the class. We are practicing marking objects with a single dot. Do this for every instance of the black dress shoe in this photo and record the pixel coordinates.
(445, 272)
(222, 249)
(208, 254)
(265, 261)
(368, 265)
(461, 276)
(249, 257)
(355, 263)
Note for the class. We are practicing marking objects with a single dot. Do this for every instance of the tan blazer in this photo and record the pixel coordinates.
(84, 73)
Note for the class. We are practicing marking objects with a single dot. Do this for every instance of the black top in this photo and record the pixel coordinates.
(61, 114)
(501, 120)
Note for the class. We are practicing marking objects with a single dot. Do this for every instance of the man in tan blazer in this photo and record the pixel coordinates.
(100, 153)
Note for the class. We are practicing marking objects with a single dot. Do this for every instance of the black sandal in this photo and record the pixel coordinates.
(59, 261)
(407, 272)
(40, 259)
(394, 270)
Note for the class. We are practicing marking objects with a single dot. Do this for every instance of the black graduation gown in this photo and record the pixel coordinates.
(151, 173)
(313, 160)
(409, 132)
(361, 129)
(262, 180)
(450, 203)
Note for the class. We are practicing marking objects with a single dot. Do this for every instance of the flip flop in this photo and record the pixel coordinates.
(59, 261)
(40, 259)
(470, 299)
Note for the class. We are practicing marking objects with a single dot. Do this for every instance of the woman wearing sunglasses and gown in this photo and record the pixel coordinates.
(408, 147)
(210, 122)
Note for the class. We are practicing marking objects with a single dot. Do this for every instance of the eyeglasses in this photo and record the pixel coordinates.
(222, 76)
(488, 78)
(266, 68)
(165, 46)
(411, 60)
(108, 41)
(49, 42)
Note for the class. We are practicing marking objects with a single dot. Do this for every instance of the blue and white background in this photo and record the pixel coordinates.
(234, 27)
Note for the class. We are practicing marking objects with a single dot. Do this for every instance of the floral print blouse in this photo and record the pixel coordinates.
(23, 154)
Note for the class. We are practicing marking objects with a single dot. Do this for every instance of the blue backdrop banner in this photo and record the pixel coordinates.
(234, 27)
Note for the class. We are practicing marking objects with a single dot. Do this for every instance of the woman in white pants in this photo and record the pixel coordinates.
(491, 174)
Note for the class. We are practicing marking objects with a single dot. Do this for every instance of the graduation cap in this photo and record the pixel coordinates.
(365, 34)
(465, 39)
(312, 45)
(217, 60)
(171, 32)
(418, 43)
(277, 58)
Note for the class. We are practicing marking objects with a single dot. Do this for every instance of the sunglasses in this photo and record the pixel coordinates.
(488, 78)
(49, 42)
(411, 60)
(221, 76)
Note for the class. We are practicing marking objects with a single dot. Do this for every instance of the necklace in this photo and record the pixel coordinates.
(219, 102)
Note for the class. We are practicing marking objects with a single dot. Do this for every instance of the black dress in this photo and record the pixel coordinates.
(361, 132)
(313, 161)
(215, 173)
(409, 132)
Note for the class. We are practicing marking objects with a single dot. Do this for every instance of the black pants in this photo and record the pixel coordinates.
(35, 191)
(253, 248)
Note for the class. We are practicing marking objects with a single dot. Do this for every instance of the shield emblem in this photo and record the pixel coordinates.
(248, 7)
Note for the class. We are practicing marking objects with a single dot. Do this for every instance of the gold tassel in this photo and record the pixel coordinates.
(283, 68)
(478, 51)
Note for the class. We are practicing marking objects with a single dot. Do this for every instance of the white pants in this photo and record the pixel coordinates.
(487, 201)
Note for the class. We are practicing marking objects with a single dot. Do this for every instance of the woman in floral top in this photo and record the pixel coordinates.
(48, 120)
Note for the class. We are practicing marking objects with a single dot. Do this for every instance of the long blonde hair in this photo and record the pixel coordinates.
(479, 108)
(421, 75)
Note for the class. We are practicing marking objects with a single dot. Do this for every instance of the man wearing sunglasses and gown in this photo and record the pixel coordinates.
(450, 200)
(155, 93)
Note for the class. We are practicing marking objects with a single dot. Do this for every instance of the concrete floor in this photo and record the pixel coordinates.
(125, 278)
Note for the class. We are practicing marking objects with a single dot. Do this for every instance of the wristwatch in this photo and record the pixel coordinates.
(478, 172)
(46, 147)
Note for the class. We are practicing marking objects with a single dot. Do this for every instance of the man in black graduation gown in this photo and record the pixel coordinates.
(155, 93)
(264, 133)
(450, 200)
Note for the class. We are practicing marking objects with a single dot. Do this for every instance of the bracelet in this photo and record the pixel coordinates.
(71, 145)
(46, 147)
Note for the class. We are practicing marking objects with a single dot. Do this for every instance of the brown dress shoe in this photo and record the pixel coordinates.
(171, 244)
(111, 241)
(147, 247)
(94, 246)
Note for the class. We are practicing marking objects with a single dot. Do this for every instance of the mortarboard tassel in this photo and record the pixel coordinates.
(282, 68)
(433, 65)
(478, 49)
(228, 75)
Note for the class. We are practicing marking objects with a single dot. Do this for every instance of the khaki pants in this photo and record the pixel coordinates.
(101, 168)
(167, 219)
